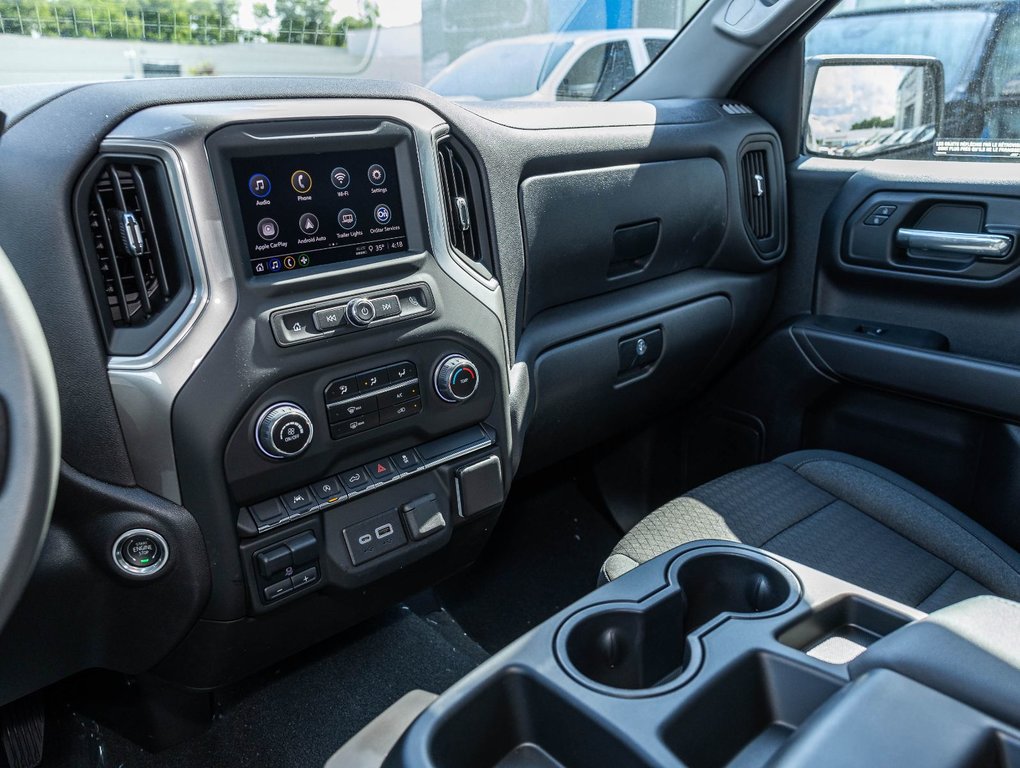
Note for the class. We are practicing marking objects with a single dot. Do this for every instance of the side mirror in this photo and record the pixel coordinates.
(866, 106)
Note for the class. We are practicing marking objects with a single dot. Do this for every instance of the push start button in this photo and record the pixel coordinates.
(140, 552)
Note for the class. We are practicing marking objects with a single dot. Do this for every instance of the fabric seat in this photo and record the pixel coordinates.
(842, 515)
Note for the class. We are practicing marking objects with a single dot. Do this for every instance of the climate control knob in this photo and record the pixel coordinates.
(284, 431)
(456, 379)
(360, 312)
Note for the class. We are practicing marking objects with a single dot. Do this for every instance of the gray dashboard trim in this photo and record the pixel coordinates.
(144, 389)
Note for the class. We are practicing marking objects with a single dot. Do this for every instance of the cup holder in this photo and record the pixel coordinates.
(646, 647)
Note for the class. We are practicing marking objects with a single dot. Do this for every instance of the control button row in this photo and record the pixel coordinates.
(287, 585)
(292, 564)
(341, 316)
(403, 393)
(356, 481)
(350, 387)
(879, 215)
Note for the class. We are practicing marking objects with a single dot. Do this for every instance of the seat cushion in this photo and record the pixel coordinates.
(842, 515)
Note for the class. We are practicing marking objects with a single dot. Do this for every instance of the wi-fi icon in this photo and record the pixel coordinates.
(340, 178)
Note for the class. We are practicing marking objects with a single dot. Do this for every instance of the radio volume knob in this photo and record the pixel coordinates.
(456, 379)
(283, 431)
(360, 312)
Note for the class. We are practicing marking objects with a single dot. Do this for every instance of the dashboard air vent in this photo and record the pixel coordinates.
(465, 217)
(733, 108)
(757, 192)
(134, 253)
(763, 195)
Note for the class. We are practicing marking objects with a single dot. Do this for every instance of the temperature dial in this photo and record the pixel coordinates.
(456, 379)
(284, 431)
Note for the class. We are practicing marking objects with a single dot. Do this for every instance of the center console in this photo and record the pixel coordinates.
(720, 654)
(339, 421)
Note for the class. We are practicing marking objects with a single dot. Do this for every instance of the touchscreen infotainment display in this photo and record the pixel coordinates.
(305, 210)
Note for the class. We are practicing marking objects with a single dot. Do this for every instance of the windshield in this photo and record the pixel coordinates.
(465, 49)
(523, 67)
(954, 36)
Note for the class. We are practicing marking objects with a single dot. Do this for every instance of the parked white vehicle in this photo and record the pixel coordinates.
(564, 66)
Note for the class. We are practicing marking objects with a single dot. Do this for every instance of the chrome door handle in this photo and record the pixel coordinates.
(980, 245)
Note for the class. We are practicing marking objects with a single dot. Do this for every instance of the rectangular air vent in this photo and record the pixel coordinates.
(134, 252)
(461, 201)
(757, 193)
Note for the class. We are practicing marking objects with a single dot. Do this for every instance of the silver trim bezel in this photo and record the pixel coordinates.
(134, 570)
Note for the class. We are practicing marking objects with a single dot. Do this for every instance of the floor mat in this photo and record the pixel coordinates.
(299, 714)
(545, 553)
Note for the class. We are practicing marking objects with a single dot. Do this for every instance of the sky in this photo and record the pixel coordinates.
(392, 13)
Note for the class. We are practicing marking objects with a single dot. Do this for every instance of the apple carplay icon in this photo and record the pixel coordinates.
(340, 177)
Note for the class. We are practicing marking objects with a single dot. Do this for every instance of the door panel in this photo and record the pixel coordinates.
(887, 351)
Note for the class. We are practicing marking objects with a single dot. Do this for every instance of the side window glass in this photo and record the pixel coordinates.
(856, 113)
(598, 74)
(654, 46)
(1002, 96)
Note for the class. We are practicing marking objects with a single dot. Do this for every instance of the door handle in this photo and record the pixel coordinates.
(964, 243)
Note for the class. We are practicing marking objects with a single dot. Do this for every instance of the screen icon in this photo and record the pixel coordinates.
(382, 214)
(347, 218)
(304, 260)
(309, 223)
(376, 174)
(340, 178)
(301, 181)
(259, 185)
(268, 229)
(275, 265)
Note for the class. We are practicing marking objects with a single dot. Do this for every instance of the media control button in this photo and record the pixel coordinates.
(376, 174)
(347, 219)
(386, 306)
(383, 214)
(259, 185)
(381, 469)
(308, 223)
(301, 181)
(360, 311)
(328, 319)
(340, 178)
(269, 230)
(403, 394)
(344, 411)
(341, 388)
(353, 426)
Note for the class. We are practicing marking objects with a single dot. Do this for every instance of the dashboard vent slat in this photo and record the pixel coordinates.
(462, 204)
(134, 251)
(757, 193)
